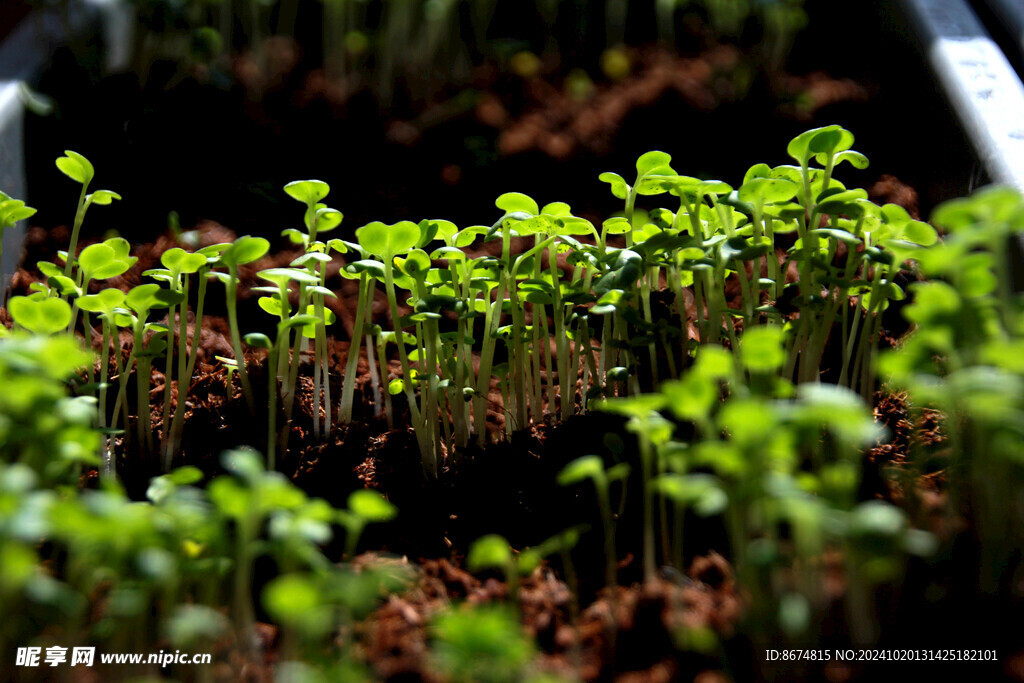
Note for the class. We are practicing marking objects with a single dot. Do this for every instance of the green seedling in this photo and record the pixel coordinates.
(387, 242)
(484, 643)
(187, 357)
(106, 305)
(278, 304)
(494, 552)
(140, 301)
(40, 314)
(11, 211)
(79, 169)
(591, 467)
(363, 269)
(100, 261)
(247, 498)
(319, 218)
(963, 359)
(230, 368)
(365, 506)
(652, 432)
(178, 265)
(243, 250)
(43, 432)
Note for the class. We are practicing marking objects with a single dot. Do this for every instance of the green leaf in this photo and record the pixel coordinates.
(258, 340)
(654, 162)
(587, 467)
(446, 230)
(142, 298)
(757, 171)
(282, 276)
(855, 159)
(245, 249)
(920, 232)
(13, 210)
(489, 552)
(328, 219)
(831, 139)
(271, 305)
(619, 187)
(762, 349)
(617, 225)
(298, 237)
(640, 405)
(76, 167)
(511, 202)
(307, 191)
(102, 197)
(767, 190)
(416, 264)
(42, 316)
(388, 241)
(292, 598)
(104, 301)
(807, 144)
(179, 261)
(94, 257)
(374, 268)
(371, 506)
(329, 318)
(557, 209)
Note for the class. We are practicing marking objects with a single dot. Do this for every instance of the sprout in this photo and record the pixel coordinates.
(386, 242)
(590, 467)
(243, 250)
(106, 304)
(79, 169)
(481, 643)
(39, 314)
(365, 506)
(11, 211)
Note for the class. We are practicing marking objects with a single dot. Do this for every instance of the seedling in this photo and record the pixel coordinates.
(187, 362)
(590, 467)
(106, 304)
(278, 366)
(141, 300)
(244, 250)
(40, 314)
(386, 242)
(363, 269)
(365, 506)
(482, 643)
(79, 169)
(11, 211)
(319, 218)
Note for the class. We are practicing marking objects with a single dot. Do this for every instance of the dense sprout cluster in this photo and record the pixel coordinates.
(703, 323)
(572, 313)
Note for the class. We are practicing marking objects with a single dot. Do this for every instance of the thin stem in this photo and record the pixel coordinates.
(236, 338)
(352, 362)
(76, 228)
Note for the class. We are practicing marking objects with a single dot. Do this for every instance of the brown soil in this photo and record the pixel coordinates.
(631, 638)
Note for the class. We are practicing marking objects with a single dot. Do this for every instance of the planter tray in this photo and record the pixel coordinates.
(978, 81)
